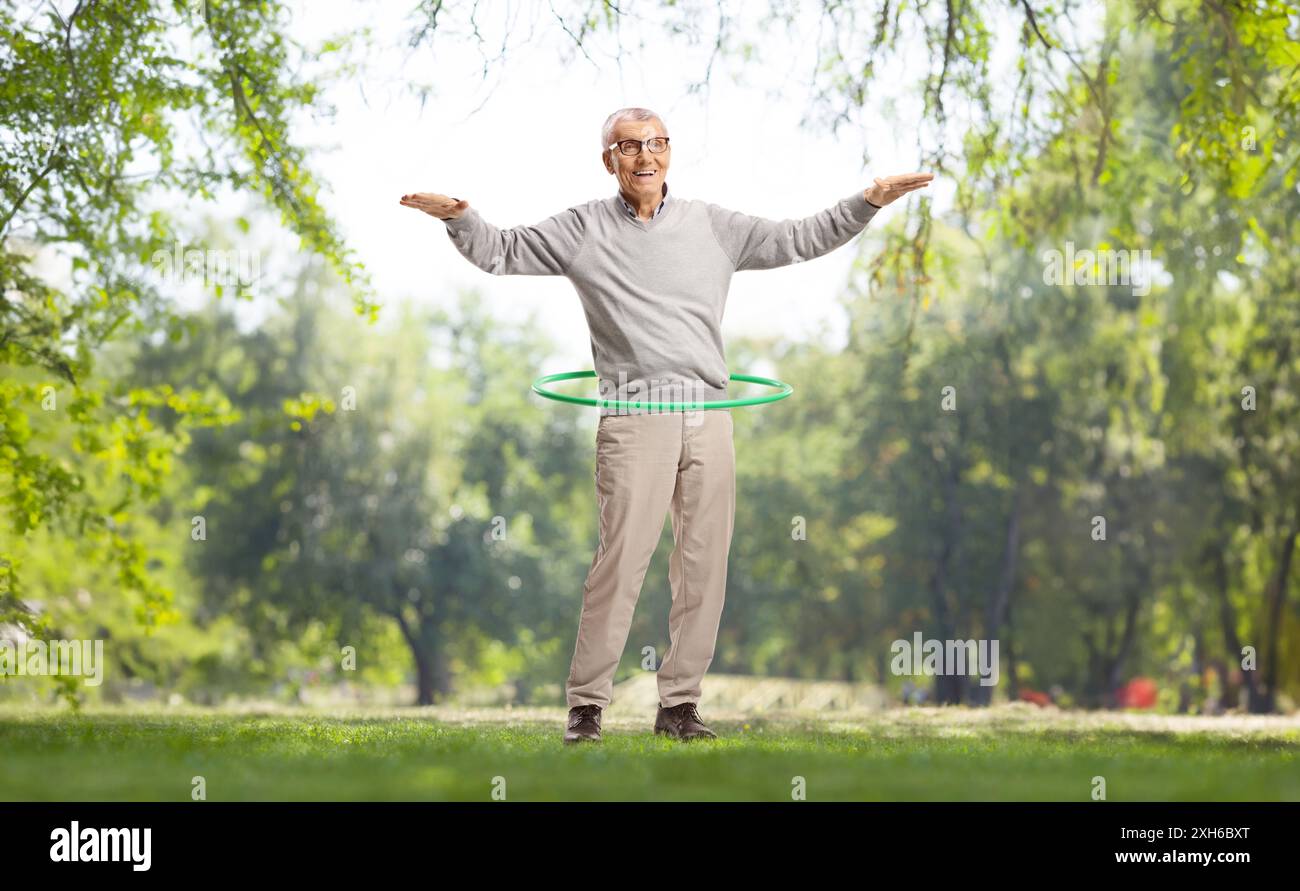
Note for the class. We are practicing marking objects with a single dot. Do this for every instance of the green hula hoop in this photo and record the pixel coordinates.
(540, 389)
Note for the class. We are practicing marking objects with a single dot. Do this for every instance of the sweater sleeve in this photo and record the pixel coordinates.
(546, 248)
(758, 243)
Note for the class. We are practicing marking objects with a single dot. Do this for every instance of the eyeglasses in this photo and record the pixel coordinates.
(656, 144)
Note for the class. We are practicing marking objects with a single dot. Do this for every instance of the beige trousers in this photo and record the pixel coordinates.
(647, 465)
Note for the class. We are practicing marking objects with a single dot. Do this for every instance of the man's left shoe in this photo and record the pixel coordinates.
(682, 722)
(584, 724)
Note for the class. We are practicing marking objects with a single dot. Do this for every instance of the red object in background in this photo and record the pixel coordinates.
(1037, 697)
(1138, 693)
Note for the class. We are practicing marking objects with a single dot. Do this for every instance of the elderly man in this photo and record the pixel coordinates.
(653, 272)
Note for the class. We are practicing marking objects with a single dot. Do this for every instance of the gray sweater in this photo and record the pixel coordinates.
(654, 292)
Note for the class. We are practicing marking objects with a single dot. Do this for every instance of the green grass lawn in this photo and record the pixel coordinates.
(1005, 753)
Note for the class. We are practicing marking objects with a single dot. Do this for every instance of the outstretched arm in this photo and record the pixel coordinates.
(546, 248)
(758, 243)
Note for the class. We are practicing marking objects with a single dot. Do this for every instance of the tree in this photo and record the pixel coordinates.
(106, 110)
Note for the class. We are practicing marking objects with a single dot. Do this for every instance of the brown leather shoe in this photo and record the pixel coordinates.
(584, 724)
(682, 722)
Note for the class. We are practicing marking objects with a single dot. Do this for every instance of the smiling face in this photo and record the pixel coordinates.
(627, 167)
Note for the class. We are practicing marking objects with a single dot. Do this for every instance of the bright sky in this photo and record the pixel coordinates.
(740, 147)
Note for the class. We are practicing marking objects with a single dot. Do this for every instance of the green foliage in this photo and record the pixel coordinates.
(106, 114)
(1169, 127)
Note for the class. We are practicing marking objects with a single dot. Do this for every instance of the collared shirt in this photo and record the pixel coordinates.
(632, 210)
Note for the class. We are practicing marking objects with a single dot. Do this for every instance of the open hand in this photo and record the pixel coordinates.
(891, 188)
(436, 205)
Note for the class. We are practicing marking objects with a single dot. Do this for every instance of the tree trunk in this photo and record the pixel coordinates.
(1228, 622)
(1276, 597)
(1091, 688)
(1013, 684)
(432, 676)
(999, 601)
(948, 690)
(1115, 671)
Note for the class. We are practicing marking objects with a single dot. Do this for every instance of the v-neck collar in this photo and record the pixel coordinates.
(644, 225)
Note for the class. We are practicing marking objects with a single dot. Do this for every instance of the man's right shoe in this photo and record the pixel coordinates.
(584, 724)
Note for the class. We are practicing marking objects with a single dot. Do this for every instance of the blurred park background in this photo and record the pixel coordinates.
(266, 434)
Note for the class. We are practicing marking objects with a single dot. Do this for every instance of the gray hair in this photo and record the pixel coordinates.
(623, 114)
